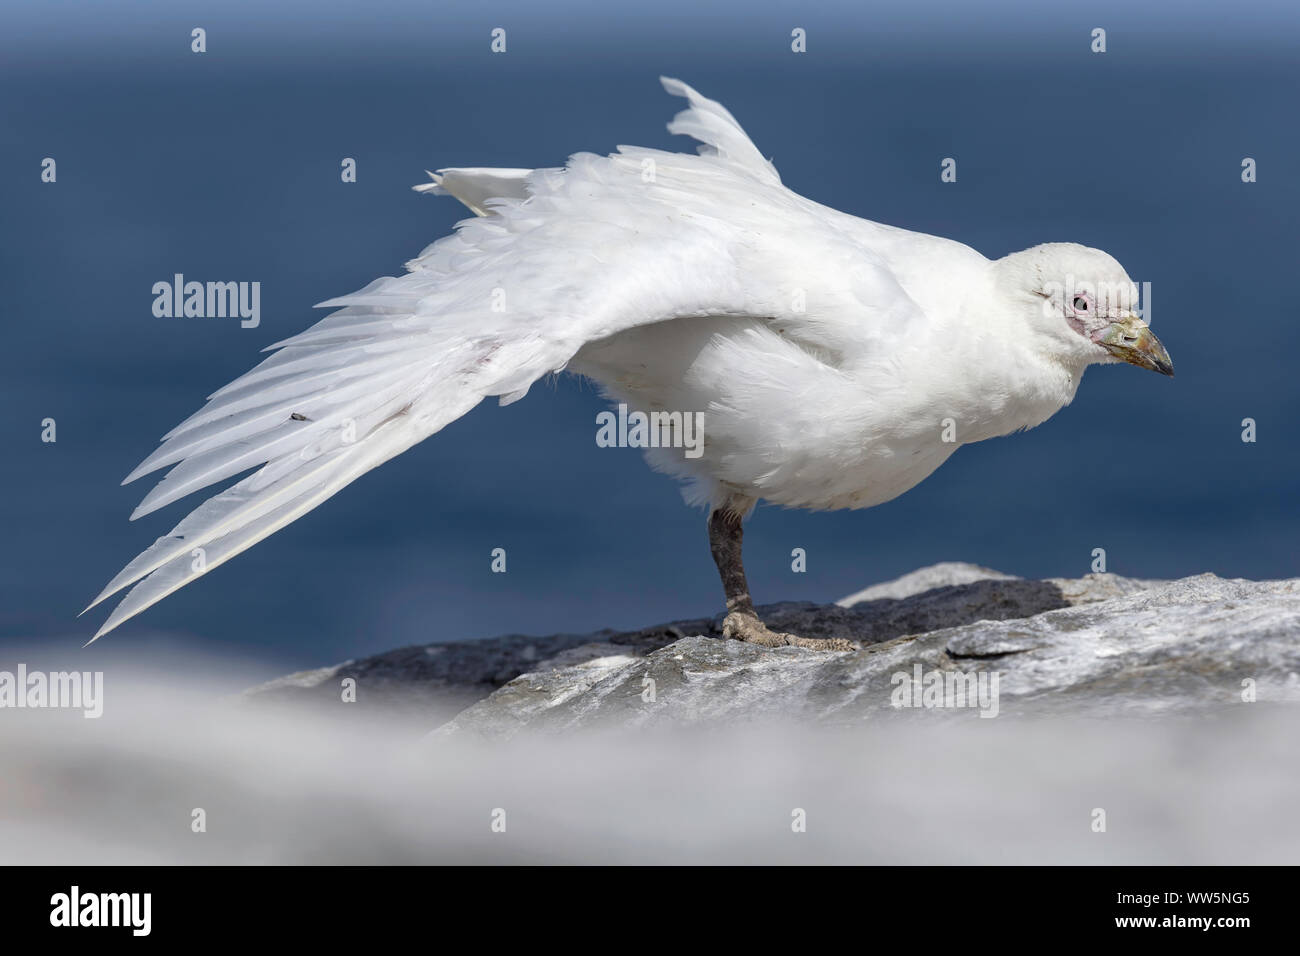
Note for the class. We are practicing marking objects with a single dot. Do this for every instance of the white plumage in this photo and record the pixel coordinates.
(825, 351)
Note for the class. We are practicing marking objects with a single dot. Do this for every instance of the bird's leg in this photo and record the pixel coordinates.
(725, 537)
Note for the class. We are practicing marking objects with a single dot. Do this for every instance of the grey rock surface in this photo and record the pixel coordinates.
(942, 575)
(429, 682)
(1097, 645)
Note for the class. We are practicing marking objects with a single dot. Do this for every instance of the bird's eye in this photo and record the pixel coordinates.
(1080, 304)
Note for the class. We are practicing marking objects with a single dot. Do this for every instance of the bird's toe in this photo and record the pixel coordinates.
(748, 628)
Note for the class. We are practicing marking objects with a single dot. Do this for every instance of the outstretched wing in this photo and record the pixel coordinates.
(575, 255)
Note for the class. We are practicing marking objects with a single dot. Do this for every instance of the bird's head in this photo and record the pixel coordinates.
(1080, 306)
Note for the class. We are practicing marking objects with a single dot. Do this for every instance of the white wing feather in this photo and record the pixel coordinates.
(475, 187)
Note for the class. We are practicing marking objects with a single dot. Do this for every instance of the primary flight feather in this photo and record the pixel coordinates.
(836, 362)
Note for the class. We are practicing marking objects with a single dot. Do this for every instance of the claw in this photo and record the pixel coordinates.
(748, 628)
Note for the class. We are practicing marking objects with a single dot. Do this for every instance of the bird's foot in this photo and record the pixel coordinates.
(748, 628)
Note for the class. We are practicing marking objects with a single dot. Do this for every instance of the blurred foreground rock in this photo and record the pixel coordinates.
(933, 640)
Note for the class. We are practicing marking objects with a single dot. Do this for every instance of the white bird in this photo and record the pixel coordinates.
(836, 361)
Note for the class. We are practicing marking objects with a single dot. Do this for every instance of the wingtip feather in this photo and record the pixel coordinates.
(434, 187)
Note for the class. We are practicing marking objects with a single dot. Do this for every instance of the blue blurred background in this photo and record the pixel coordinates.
(225, 166)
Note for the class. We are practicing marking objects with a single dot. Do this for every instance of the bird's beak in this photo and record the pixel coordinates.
(1129, 340)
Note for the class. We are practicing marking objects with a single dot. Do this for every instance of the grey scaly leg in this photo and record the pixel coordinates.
(726, 534)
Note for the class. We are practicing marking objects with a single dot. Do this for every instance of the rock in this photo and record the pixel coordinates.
(953, 638)
(941, 575)
(431, 683)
